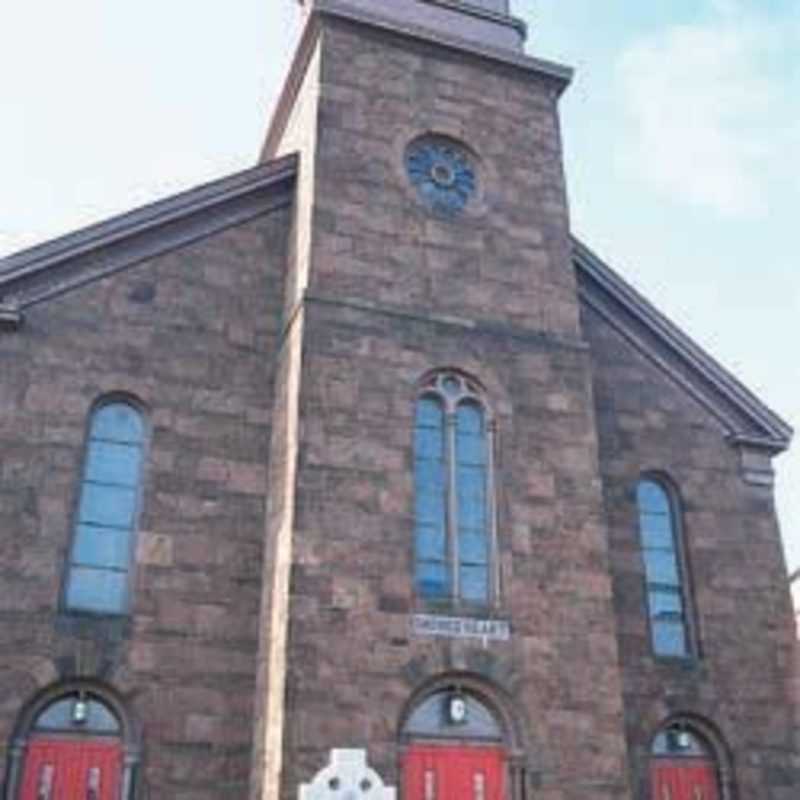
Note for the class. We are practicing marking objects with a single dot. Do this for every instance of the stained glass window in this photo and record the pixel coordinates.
(59, 716)
(101, 554)
(430, 719)
(453, 503)
(666, 600)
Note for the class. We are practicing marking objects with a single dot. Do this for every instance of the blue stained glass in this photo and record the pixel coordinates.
(472, 547)
(470, 418)
(429, 413)
(442, 174)
(665, 602)
(669, 638)
(432, 579)
(107, 505)
(99, 590)
(664, 579)
(474, 583)
(430, 475)
(429, 444)
(109, 462)
(656, 530)
(430, 507)
(472, 504)
(58, 717)
(431, 543)
(118, 422)
(472, 516)
(452, 386)
(661, 567)
(101, 547)
(668, 743)
(471, 486)
(471, 449)
(429, 720)
(435, 570)
(429, 478)
(652, 498)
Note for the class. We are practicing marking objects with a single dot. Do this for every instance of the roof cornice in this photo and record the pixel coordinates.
(39, 273)
(710, 383)
(560, 75)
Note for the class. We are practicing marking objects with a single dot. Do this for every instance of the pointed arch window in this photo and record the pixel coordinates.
(98, 572)
(667, 592)
(453, 465)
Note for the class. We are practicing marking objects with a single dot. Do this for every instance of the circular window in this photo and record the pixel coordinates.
(443, 173)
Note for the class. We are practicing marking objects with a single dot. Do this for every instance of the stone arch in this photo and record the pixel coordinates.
(713, 740)
(513, 728)
(130, 731)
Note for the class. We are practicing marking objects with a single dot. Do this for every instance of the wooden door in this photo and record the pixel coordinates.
(454, 773)
(68, 769)
(684, 779)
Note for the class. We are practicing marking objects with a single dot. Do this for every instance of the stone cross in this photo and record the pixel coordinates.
(347, 777)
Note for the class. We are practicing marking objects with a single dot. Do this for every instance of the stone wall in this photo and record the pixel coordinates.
(393, 293)
(738, 682)
(351, 589)
(371, 93)
(192, 334)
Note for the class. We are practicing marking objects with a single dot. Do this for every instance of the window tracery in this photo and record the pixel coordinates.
(455, 534)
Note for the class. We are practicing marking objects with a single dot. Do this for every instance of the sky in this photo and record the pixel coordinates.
(681, 130)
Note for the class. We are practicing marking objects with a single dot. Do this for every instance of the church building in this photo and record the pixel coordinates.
(359, 460)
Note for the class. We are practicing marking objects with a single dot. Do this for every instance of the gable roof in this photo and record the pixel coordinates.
(51, 269)
(745, 418)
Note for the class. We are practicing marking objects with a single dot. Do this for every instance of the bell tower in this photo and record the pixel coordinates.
(431, 281)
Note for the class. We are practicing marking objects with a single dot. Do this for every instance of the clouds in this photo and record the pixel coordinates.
(713, 113)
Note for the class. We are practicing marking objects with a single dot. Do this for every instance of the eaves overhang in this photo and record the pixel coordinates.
(63, 264)
(748, 421)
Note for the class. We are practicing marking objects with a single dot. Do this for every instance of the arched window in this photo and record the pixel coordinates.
(73, 743)
(664, 573)
(434, 718)
(455, 531)
(683, 766)
(97, 579)
(456, 743)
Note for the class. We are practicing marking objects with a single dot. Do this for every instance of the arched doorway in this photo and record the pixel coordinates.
(73, 746)
(455, 749)
(683, 766)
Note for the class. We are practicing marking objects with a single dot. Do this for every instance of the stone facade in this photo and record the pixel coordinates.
(743, 630)
(192, 334)
(392, 293)
(278, 347)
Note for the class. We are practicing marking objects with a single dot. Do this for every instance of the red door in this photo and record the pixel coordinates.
(684, 779)
(63, 769)
(454, 773)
